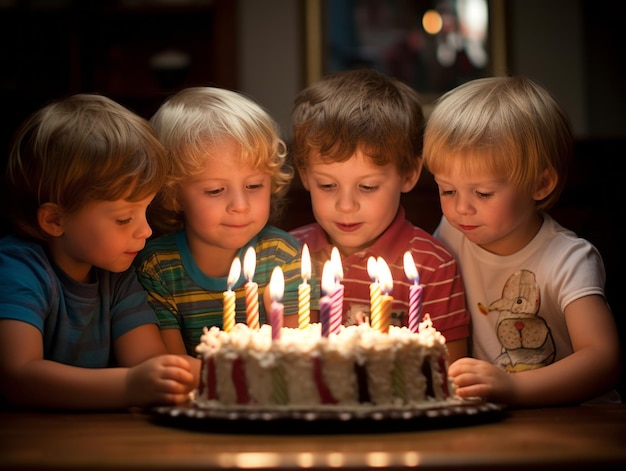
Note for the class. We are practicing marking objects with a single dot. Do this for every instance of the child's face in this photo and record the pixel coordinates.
(354, 201)
(491, 211)
(105, 234)
(227, 204)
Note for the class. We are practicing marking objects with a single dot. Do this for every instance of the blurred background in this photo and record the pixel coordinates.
(139, 52)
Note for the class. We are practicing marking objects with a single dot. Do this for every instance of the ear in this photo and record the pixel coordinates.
(549, 180)
(304, 178)
(410, 179)
(50, 219)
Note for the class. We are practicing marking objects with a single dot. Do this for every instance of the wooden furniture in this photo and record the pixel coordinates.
(585, 437)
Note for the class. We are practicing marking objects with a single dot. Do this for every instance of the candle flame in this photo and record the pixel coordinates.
(328, 278)
(235, 271)
(384, 273)
(409, 268)
(335, 258)
(305, 263)
(372, 268)
(249, 263)
(277, 284)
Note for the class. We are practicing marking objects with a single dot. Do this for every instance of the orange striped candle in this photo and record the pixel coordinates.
(252, 290)
(304, 290)
(228, 316)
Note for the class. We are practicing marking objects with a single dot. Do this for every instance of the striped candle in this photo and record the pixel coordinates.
(372, 270)
(336, 296)
(228, 316)
(328, 284)
(386, 286)
(277, 309)
(415, 292)
(252, 290)
(304, 290)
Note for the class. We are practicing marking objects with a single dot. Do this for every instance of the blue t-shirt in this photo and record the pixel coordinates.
(78, 321)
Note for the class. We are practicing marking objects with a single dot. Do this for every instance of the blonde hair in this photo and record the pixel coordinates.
(192, 122)
(359, 109)
(507, 126)
(78, 150)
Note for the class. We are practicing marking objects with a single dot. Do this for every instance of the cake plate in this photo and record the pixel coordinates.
(359, 418)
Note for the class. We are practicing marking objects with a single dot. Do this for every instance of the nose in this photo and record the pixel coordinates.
(463, 205)
(143, 230)
(238, 202)
(347, 202)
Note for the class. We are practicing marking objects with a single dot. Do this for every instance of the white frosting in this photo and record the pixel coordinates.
(287, 371)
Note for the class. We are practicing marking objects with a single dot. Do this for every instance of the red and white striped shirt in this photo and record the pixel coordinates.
(443, 295)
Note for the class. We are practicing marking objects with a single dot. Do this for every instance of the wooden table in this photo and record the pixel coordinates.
(586, 437)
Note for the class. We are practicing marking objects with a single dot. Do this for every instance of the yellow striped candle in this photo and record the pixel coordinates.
(386, 286)
(252, 290)
(375, 300)
(304, 290)
(228, 317)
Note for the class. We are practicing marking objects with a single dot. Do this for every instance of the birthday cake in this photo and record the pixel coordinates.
(302, 368)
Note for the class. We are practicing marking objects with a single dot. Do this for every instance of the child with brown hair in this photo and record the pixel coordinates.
(76, 331)
(358, 147)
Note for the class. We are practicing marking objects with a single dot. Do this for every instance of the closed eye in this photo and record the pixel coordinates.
(123, 222)
(214, 192)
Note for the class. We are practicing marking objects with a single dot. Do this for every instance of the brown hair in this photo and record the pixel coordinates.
(78, 150)
(359, 109)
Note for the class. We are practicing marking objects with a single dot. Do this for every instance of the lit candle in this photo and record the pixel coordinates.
(304, 290)
(386, 286)
(277, 310)
(336, 297)
(415, 293)
(372, 270)
(228, 317)
(328, 286)
(252, 289)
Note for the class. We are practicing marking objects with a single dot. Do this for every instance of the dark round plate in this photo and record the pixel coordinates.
(460, 412)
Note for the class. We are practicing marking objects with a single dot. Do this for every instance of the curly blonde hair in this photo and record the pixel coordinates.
(191, 122)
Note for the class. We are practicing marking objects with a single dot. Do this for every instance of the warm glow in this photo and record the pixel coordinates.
(235, 271)
(432, 22)
(328, 278)
(277, 284)
(335, 259)
(305, 263)
(249, 263)
(409, 268)
(372, 269)
(384, 275)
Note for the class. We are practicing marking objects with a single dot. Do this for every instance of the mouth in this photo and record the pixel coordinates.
(348, 227)
(466, 228)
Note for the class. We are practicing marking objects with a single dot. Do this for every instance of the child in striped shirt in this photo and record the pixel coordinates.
(357, 146)
(228, 177)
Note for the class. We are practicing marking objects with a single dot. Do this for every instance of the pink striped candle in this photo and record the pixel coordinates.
(252, 290)
(336, 297)
(328, 285)
(415, 293)
(228, 316)
(277, 309)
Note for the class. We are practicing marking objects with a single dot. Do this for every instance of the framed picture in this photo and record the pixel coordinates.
(432, 45)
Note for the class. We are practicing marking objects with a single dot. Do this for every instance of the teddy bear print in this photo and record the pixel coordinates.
(525, 337)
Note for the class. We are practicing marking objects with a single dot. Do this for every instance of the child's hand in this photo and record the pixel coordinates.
(478, 378)
(162, 380)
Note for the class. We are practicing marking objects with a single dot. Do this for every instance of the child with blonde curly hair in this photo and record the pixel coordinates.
(228, 178)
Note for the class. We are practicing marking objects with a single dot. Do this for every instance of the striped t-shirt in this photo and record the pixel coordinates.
(443, 295)
(185, 298)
